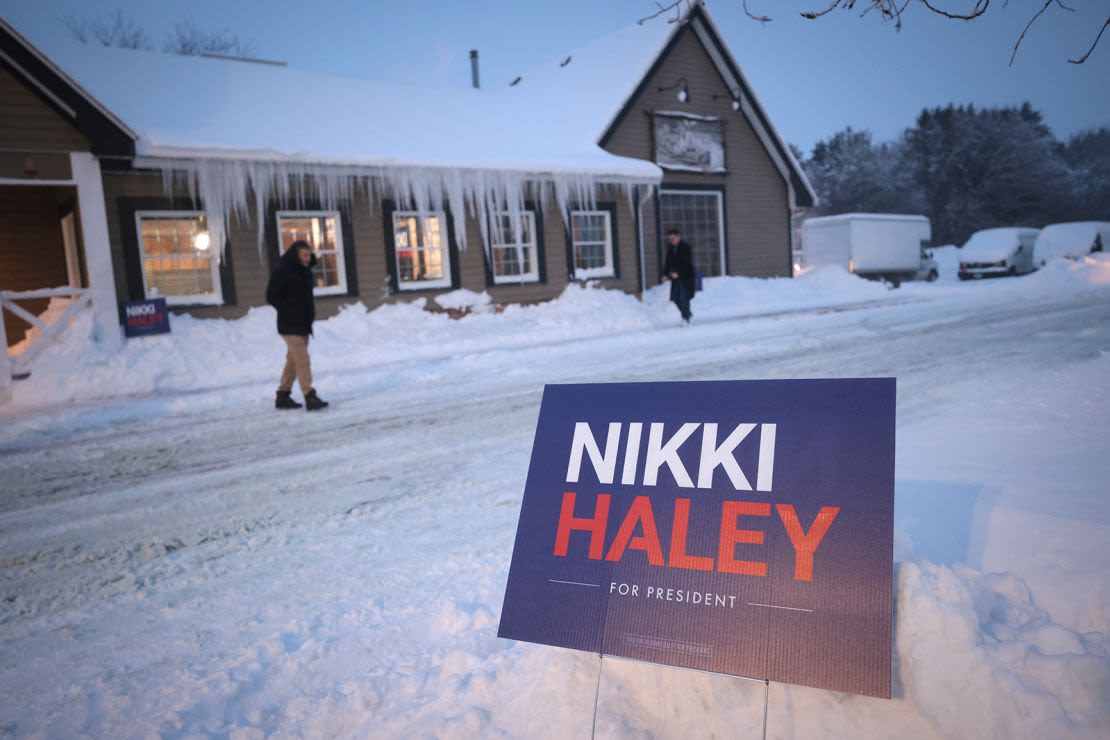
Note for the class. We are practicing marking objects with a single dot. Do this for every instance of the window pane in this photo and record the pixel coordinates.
(173, 261)
(326, 272)
(511, 261)
(503, 229)
(319, 230)
(514, 255)
(697, 216)
(592, 247)
(420, 251)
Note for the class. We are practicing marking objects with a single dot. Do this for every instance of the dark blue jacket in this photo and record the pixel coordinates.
(290, 292)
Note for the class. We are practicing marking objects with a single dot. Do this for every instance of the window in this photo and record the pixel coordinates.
(420, 250)
(179, 262)
(698, 215)
(515, 256)
(322, 230)
(592, 238)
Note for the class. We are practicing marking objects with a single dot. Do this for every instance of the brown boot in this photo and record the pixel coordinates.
(314, 402)
(285, 400)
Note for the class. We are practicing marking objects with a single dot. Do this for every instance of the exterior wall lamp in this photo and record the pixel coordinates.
(683, 88)
(735, 97)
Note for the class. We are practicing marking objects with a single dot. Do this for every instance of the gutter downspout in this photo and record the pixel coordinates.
(640, 238)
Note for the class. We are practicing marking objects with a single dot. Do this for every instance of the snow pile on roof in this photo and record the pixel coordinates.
(188, 106)
(229, 127)
(842, 217)
(1074, 239)
(993, 244)
(596, 79)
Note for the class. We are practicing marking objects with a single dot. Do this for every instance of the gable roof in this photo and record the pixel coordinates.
(605, 77)
(106, 133)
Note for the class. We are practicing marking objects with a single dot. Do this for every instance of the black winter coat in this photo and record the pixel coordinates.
(680, 260)
(290, 292)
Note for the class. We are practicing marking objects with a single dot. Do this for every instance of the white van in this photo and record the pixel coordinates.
(883, 246)
(1071, 240)
(994, 252)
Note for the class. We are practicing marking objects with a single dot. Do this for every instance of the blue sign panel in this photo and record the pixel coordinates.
(143, 318)
(741, 527)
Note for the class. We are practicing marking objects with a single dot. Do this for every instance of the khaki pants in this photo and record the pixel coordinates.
(297, 364)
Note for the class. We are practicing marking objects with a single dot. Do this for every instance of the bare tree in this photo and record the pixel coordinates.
(189, 39)
(118, 31)
(892, 10)
(186, 38)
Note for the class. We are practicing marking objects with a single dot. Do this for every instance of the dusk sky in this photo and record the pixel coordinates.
(815, 77)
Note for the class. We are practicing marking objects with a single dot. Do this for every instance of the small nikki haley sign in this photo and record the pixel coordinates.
(741, 527)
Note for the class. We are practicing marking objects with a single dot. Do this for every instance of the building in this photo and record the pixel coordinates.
(128, 174)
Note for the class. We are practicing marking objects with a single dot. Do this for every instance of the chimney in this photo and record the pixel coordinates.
(474, 68)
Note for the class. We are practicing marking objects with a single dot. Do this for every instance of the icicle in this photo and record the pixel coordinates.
(225, 186)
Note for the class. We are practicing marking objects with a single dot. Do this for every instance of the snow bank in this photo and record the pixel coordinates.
(463, 299)
(948, 261)
(1064, 274)
(978, 658)
(724, 297)
(215, 353)
(250, 574)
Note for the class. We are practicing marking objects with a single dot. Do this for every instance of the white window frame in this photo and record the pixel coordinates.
(720, 218)
(610, 268)
(446, 280)
(216, 298)
(533, 275)
(340, 259)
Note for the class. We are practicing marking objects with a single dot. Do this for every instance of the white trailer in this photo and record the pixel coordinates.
(881, 246)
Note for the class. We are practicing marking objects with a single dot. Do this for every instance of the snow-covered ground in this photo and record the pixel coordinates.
(178, 559)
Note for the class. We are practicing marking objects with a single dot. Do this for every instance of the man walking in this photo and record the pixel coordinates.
(290, 292)
(678, 267)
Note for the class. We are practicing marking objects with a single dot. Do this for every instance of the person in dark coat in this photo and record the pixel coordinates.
(290, 292)
(678, 267)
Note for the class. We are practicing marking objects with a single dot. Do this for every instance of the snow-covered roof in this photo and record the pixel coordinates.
(229, 126)
(842, 217)
(184, 106)
(994, 244)
(1072, 239)
(596, 79)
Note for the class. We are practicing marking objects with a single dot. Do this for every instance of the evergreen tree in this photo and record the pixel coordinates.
(1087, 156)
(850, 173)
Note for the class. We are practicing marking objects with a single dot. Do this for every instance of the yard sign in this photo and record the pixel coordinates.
(740, 527)
(146, 317)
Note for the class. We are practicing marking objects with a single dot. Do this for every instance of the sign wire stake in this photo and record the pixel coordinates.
(597, 695)
(766, 700)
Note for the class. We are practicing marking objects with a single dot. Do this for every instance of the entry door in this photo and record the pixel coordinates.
(699, 216)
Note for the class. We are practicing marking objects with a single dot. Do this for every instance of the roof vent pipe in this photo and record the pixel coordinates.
(474, 69)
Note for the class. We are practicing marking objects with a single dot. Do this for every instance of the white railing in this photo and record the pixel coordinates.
(21, 363)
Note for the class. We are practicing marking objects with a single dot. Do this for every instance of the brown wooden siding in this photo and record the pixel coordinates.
(35, 166)
(32, 254)
(472, 262)
(27, 123)
(250, 271)
(756, 197)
